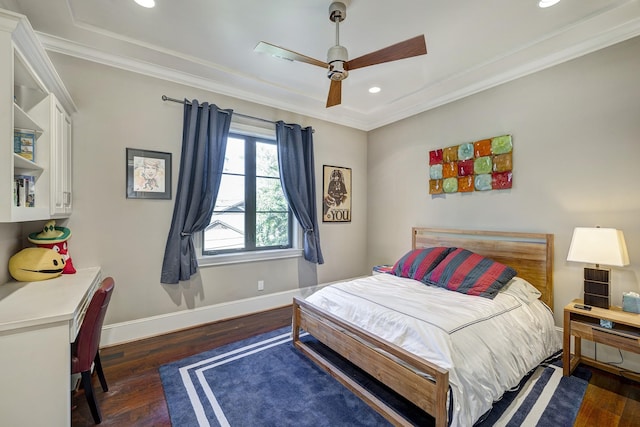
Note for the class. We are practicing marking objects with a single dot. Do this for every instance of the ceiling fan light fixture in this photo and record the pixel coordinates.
(547, 3)
(146, 3)
(337, 71)
(336, 58)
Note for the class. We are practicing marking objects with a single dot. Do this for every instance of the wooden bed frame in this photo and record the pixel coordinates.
(418, 380)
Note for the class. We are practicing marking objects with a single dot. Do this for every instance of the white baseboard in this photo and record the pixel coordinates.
(118, 333)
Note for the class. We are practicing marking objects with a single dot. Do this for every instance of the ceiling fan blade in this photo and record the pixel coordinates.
(406, 49)
(281, 52)
(335, 93)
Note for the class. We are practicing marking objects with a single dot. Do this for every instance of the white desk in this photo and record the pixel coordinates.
(38, 321)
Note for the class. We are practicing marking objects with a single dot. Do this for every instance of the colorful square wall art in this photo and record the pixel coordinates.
(482, 165)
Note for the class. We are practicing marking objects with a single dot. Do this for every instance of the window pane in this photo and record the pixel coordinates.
(230, 194)
(269, 195)
(225, 232)
(226, 229)
(267, 159)
(234, 156)
(272, 229)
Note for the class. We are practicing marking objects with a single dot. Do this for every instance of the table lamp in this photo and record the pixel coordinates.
(598, 246)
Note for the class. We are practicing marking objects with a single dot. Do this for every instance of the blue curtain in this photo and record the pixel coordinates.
(204, 142)
(297, 175)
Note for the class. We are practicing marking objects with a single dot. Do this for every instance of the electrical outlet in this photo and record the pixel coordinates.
(261, 285)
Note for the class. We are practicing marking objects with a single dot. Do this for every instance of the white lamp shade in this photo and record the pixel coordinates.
(598, 246)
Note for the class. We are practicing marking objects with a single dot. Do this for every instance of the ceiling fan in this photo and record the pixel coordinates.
(338, 64)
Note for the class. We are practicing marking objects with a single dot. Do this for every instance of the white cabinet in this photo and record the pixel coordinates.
(36, 184)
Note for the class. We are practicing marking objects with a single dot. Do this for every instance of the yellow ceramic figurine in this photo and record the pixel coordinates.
(33, 264)
(55, 238)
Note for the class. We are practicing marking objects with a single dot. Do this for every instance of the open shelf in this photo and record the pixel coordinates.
(28, 89)
(22, 120)
(22, 164)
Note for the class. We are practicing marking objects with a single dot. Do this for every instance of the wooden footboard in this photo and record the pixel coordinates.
(419, 381)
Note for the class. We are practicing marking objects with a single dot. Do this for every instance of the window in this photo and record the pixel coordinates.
(251, 213)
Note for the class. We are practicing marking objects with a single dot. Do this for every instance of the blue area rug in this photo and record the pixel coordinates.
(265, 381)
(544, 398)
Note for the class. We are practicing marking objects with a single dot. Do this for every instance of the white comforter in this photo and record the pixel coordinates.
(487, 345)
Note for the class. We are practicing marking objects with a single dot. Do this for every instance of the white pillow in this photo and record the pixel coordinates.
(520, 288)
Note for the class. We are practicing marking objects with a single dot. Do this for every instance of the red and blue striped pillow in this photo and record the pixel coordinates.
(417, 263)
(469, 273)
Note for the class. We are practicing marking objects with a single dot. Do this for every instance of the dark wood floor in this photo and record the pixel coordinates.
(136, 398)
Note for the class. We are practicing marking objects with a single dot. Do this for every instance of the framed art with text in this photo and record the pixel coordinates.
(336, 194)
(148, 174)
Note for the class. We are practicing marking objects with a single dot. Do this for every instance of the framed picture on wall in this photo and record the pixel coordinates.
(336, 194)
(148, 174)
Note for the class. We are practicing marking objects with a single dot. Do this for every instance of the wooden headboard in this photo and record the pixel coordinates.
(530, 254)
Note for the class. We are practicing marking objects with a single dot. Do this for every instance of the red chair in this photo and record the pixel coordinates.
(84, 351)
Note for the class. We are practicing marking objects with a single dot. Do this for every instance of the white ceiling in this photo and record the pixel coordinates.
(472, 45)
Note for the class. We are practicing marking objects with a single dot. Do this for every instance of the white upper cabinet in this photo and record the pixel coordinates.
(35, 128)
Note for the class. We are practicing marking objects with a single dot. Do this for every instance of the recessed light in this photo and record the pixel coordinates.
(146, 3)
(374, 89)
(547, 3)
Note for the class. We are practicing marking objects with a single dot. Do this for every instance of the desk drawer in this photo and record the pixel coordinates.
(615, 338)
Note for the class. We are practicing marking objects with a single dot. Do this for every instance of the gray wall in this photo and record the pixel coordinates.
(10, 243)
(576, 133)
(119, 109)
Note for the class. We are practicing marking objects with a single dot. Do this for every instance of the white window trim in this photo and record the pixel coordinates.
(250, 130)
(249, 256)
(226, 259)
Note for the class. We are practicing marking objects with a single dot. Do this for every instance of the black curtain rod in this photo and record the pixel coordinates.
(166, 98)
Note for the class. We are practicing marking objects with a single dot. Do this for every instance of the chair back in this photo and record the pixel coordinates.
(88, 340)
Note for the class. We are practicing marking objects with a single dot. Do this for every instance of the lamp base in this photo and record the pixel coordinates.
(596, 287)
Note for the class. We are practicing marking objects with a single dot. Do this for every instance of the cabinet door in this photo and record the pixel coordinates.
(67, 178)
(61, 160)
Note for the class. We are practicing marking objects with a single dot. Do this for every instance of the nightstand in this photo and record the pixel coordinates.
(579, 323)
